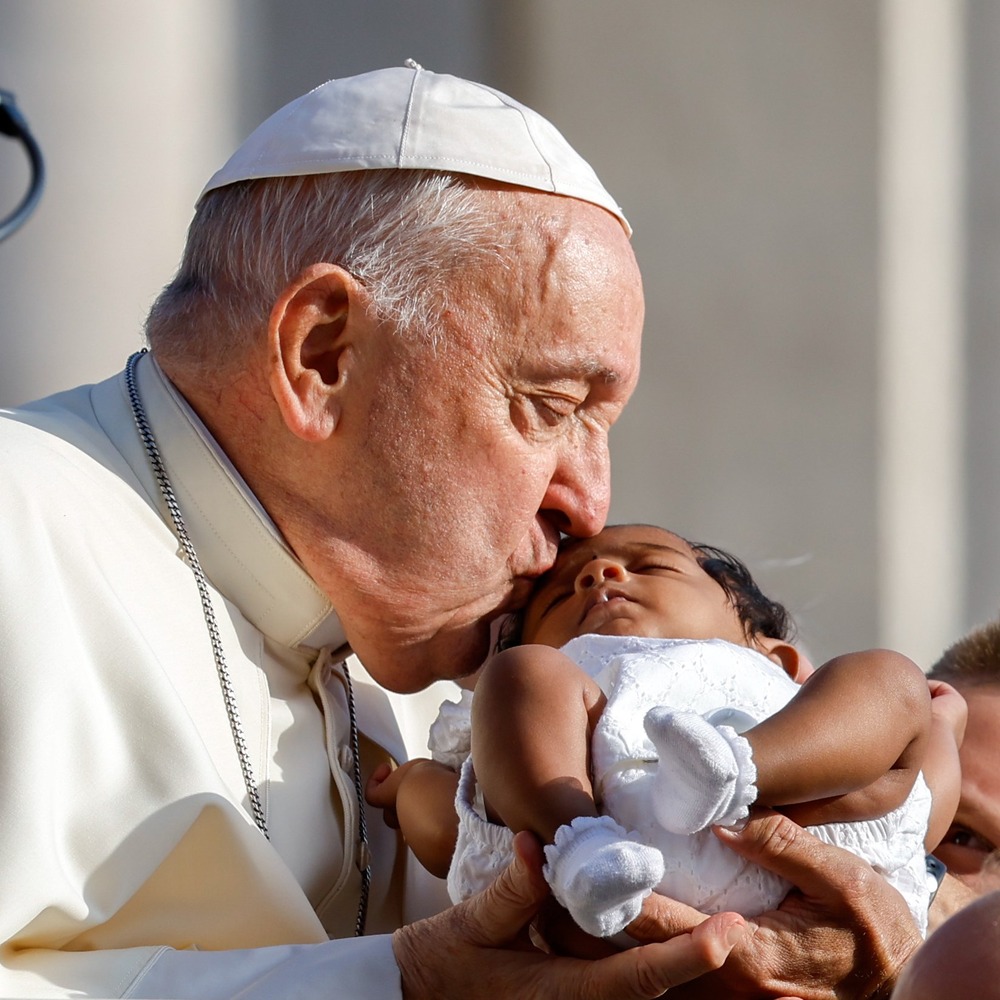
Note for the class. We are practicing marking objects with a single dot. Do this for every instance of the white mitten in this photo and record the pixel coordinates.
(601, 873)
(450, 736)
(705, 775)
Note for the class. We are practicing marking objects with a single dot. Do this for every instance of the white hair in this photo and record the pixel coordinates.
(403, 234)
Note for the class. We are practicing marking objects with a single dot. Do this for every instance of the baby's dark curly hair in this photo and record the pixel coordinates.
(760, 617)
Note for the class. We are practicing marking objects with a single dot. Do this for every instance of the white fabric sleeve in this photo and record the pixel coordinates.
(348, 967)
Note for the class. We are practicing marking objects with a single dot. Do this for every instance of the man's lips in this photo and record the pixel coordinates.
(539, 560)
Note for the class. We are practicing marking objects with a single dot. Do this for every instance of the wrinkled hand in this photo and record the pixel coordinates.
(480, 948)
(843, 932)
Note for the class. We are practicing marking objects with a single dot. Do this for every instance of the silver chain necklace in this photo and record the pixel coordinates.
(232, 711)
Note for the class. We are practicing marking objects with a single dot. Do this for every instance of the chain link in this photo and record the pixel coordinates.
(364, 854)
(235, 725)
(191, 558)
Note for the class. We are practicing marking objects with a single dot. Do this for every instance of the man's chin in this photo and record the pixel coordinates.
(446, 655)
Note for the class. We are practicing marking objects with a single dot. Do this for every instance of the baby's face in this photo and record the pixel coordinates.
(629, 580)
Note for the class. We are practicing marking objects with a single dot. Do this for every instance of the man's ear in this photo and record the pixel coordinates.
(311, 332)
(787, 657)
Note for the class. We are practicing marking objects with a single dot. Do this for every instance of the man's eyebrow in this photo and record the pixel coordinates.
(975, 807)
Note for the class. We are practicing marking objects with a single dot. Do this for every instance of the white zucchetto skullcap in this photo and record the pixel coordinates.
(407, 118)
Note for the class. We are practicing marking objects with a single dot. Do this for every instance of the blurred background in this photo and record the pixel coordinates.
(813, 189)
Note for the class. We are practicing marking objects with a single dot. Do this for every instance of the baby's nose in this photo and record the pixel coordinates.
(599, 571)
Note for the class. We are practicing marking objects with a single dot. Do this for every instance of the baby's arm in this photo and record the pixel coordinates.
(532, 718)
(533, 713)
(849, 745)
(941, 767)
(418, 799)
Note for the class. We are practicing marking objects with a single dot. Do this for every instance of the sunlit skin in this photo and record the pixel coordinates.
(969, 848)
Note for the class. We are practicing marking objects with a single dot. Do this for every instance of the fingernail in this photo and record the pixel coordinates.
(734, 934)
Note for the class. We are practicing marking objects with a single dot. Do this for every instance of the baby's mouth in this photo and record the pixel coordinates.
(603, 596)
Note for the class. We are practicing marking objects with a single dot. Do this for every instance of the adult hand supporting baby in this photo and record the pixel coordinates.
(842, 932)
(480, 948)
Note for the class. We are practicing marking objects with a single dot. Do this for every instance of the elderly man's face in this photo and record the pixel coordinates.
(970, 848)
(476, 453)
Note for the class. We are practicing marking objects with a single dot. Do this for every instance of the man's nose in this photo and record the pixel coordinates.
(598, 571)
(579, 493)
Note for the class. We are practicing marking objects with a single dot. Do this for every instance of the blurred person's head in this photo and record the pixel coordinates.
(960, 960)
(970, 847)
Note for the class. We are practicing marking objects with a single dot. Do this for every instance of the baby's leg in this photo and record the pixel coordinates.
(532, 717)
(849, 745)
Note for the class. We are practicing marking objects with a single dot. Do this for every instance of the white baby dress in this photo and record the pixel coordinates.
(727, 684)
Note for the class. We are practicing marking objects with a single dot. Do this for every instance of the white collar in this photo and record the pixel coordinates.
(240, 548)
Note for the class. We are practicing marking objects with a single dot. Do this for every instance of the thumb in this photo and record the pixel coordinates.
(498, 914)
(776, 843)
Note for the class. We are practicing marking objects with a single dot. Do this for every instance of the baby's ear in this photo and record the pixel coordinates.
(794, 663)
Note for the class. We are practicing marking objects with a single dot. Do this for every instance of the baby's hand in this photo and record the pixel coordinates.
(383, 788)
(418, 799)
(948, 708)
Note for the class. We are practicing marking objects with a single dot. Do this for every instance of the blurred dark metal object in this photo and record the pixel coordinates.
(13, 124)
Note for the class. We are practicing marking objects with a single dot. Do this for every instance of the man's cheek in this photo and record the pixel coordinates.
(984, 881)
